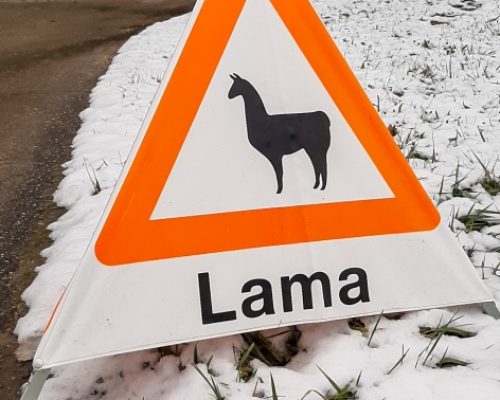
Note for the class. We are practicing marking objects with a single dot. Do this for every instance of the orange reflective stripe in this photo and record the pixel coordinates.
(53, 313)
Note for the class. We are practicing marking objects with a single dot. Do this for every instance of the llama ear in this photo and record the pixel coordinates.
(233, 76)
(237, 76)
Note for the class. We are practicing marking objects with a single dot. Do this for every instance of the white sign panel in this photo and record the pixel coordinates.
(263, 191)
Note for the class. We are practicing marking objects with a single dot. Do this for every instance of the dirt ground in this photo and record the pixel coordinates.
(51, 54)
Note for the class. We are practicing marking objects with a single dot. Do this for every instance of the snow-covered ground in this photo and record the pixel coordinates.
(432, 70)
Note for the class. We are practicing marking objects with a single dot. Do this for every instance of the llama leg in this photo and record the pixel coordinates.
(316, 166)
(317, 174)
(278, 169)
(323, 169)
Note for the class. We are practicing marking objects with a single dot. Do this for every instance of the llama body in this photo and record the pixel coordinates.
(275, 136)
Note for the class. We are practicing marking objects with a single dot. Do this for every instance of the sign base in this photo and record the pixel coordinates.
(491, 309)
(32, 389)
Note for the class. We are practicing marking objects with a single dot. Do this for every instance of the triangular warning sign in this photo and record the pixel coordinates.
(264, 170)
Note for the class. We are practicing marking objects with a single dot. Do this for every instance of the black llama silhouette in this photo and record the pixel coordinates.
(281, 134)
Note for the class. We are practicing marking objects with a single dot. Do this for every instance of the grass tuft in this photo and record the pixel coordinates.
(174, 350)
(490, 181)
(337, 393)
(93, 178)
(356, 324)
(274, 394)
(258, 392)
(264, 350)
(436, 334)
(244, 367)
(400, 360)
(475, 220)
(375, 328)
(433, 332)
(211, 383)
(195, 355)
(448, 362)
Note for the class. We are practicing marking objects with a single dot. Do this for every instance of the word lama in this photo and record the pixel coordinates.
(354, 290)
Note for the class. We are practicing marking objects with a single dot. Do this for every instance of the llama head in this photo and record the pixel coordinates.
(239, 87)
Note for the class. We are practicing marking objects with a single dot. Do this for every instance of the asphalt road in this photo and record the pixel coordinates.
(51, 54)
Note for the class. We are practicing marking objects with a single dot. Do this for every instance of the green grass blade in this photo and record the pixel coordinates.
(330, 380)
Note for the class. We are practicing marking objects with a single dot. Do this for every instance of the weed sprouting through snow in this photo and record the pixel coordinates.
(274, 393)
(270, 353)
(211, 383)
(448, 362)
(357, 324)
(244, 367)
(337, 393)
(490, 181)
(436, 334)
(475, 220)
(256, 391)
(447, 330)
(400, 360)
(374, 328)
(93, 178)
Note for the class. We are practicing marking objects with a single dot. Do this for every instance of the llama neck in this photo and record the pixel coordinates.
(254, 107)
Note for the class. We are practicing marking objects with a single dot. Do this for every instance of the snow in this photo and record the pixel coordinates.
(431, 69)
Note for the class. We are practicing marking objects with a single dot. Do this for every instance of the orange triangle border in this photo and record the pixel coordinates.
(129, 235)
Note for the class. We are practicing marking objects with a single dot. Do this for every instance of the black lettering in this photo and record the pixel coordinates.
(207, 314)
(361, 284)
(266, 296)
(306, 284)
